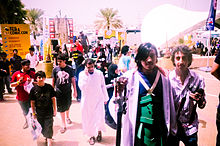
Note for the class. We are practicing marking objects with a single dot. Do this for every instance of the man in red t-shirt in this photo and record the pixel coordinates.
(18, 80)
(79, 46)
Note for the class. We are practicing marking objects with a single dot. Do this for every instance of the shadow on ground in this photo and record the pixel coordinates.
(108, 140)
(59, 143)
(74, 125)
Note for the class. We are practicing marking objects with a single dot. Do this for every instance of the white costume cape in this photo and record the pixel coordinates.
(129, 119)
(94, 94)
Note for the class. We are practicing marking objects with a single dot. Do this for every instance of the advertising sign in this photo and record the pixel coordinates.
(16, 36)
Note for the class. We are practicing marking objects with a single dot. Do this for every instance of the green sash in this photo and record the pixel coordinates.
(147, 112)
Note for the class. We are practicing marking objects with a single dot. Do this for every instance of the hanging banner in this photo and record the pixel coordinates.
(122, 37)
(210, 23)
(15, 36)
(109, 34)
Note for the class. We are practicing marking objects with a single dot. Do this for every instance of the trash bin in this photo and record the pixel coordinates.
(48, 68)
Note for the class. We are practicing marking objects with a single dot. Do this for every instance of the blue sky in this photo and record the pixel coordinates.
(131, 12)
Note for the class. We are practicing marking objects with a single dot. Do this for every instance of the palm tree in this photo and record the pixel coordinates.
(108, 19)
(33, 17)
(12, 12)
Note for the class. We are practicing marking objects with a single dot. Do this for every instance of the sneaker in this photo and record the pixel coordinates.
(69, 121)
(25, 125)
(99, 137)
(92, 140)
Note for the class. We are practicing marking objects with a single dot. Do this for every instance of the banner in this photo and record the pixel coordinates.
(210, 23)
(109, 34)
(15, 36)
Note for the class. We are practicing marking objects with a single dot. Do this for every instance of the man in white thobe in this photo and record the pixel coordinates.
(94, 95)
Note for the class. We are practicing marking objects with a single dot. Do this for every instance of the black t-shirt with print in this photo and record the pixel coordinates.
(43, 99)
(63, 80)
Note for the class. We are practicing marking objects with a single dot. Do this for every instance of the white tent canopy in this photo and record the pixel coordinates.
(167, 21)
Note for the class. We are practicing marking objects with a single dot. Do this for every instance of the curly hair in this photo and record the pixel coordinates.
(183, 49)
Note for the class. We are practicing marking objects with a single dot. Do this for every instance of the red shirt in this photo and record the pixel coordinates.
(79, 47)
(22, 95)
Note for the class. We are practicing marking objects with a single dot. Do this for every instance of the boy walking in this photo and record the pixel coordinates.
(63, 77)
(43, 105)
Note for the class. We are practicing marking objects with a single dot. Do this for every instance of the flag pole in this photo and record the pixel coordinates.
(210, 24)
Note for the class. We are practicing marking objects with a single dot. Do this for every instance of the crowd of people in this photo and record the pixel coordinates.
(160, 107)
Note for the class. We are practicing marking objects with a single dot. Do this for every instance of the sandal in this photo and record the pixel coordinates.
(25, 125)
(92, 140)
(99, 137)
(69, 121)
(63, 130)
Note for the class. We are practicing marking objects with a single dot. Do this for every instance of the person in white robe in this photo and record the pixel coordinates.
(94, 95)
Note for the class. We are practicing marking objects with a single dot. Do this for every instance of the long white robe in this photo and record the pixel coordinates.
(129, 119)
(94, 94)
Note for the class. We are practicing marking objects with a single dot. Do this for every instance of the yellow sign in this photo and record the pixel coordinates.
(109, 34)
(122, 37)
(16, 36)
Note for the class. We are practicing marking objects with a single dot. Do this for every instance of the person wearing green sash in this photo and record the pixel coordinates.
(150, 115)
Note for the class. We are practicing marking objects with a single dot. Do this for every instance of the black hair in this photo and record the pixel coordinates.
(57, 48)
(143, 52)
(61, 57)
(125, 49)
(111, 71)
(4, 54)
(40, 74)
(185, 50)
(31, 48)
(89, 61)
(25, 61)
(15, 50)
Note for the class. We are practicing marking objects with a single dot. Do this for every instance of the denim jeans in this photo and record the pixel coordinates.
(25, 105)
(1, 87)
(6, 80)
(191, 140)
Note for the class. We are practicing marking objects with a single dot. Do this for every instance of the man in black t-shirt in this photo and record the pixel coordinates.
(74, 54)
(43, 105)
(216, 72)
(63, 77)
(15, 61)
(4, 64)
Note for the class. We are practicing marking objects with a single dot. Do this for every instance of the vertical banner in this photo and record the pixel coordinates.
(15, 36)
(52, 28)
(70, 32)
(122, 37)
(210, 23)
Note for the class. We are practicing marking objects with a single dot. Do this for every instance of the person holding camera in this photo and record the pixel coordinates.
(189, 92)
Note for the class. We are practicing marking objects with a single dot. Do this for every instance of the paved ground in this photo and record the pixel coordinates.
(11, 122)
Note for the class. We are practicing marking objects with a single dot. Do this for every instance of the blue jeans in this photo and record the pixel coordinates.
(1, 87)
(181, 136)
(6, 80)
(25, 105)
